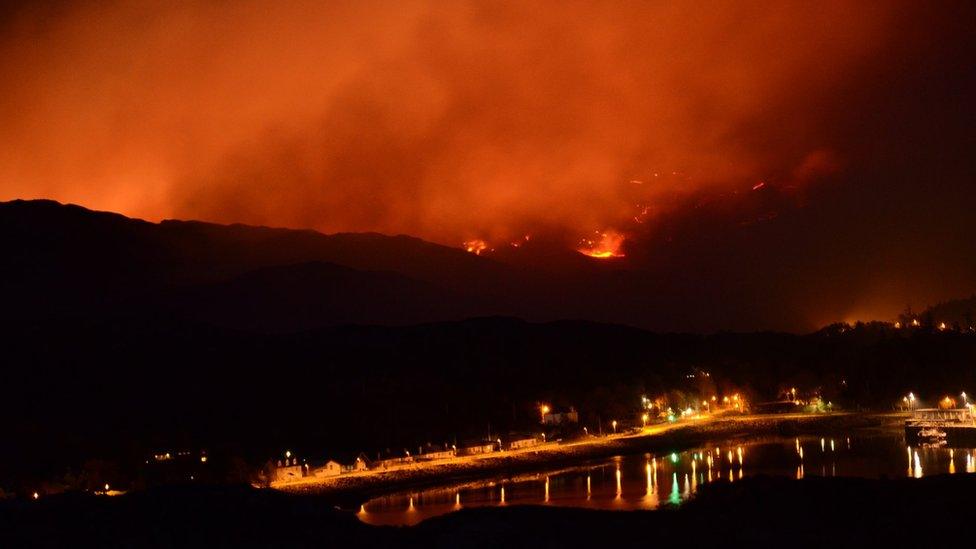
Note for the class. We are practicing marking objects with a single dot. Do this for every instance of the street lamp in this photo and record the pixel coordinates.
(614, 423)
(644, 419)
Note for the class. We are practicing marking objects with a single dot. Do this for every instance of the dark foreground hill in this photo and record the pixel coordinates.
(118, 389)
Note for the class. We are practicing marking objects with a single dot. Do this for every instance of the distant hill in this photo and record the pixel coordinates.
(69, 261)
(59, 259)
(315, 295)
(66, 260)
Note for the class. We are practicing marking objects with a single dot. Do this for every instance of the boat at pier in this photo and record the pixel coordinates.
(955, 427)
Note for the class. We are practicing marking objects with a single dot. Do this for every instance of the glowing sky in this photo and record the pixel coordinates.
(461, 120)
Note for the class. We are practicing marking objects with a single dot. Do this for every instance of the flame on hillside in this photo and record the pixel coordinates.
(475, 246)
(605, 245)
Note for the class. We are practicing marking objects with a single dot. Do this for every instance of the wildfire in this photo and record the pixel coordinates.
(607, 244)
(518, 243)
(475, 246)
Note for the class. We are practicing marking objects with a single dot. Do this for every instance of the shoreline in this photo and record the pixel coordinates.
(349, 491)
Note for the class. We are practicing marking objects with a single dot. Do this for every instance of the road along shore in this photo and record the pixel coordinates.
(350, 490)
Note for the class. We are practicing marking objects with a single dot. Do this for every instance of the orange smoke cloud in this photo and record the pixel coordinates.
(447, 120)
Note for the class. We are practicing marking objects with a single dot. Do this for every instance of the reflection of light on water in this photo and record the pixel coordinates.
(650, 481)
(569, 491)
(650, 496)
(619, 488)
(675, 494)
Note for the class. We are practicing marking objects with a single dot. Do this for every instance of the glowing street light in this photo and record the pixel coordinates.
(544, 409)
(644, 419)
(614, 423)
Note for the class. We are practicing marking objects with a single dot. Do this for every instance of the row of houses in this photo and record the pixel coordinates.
(290, 469)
